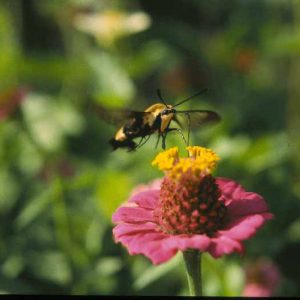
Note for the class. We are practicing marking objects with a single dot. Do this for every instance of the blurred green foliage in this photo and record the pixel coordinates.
(59, 181)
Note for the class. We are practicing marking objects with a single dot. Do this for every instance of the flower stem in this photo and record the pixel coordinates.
(192, 259)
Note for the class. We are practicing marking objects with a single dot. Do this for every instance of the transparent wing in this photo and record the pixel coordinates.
(196, 118)
(118, 116)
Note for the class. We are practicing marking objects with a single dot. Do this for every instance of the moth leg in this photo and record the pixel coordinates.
(157, 141)
(147, 138)
(140, 144)
(164, 136)
(141, 140)
(163, 144)
(180, 132)
(189, 123)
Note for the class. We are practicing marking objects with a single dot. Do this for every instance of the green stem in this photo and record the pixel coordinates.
(192, 259)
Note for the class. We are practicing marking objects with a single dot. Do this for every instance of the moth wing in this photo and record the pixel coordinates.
(118, 116)
(196, 118)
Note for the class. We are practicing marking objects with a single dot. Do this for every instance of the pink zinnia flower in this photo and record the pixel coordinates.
(262, 279)
(190, 209)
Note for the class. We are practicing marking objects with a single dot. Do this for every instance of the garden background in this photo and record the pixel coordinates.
(59, 180)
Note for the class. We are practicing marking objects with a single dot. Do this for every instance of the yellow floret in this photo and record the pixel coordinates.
(196, 151)
(166, 159)
(200, 161)
(181, 167)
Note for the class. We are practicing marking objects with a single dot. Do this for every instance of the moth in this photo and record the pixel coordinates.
(158, 118)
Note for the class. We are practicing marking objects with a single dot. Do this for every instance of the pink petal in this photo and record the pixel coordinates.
(152, 185)
(150, 244)
(238, 201)
(245, 227)
(132, 215)
(146, 199)
(157, 252)
(223, 245)
(252, 203)
(183, 242)
(129, 229)
(231, 190)
(158, 246)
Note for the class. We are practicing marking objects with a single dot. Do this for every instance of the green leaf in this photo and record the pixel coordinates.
(12, 266)
(30, 159)
(113, 86)
(52, 266)
(283, 43)
(233, 279)
(294, 231)
(154, 273)
(112, 189)
(108, 266)
(34, 208)
(94, 236)
(9, 191)
(50, 120)
(150, 57)
(266, 152)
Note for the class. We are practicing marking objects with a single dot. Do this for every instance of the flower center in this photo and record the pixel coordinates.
(189, 205)
(189, 197)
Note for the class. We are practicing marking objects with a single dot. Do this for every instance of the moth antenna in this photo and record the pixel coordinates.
(189, 98)
(160, 97)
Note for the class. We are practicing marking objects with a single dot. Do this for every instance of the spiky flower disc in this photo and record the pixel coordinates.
(189, 197)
